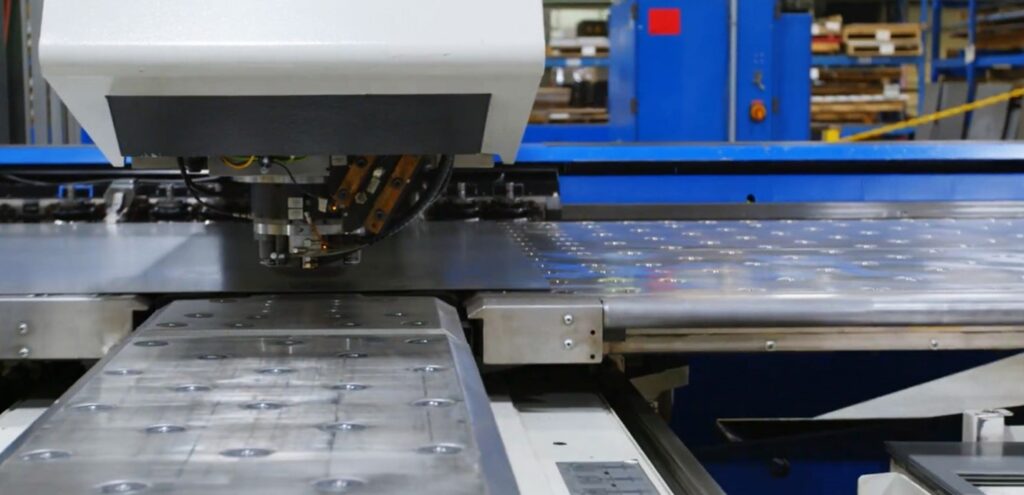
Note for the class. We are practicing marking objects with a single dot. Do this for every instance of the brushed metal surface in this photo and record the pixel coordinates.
(788, 272)
(275, 396)
(191, 258)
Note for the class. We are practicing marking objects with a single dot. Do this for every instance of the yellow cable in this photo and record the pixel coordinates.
(924, 119)
(238, 166)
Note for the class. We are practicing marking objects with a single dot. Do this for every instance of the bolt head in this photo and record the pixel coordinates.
(24, 352)
(934, 344)
(23, 328)
(769, 345)
(568, 344)
(568, 319)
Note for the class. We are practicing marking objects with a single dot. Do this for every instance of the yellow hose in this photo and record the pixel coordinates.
(924, 119)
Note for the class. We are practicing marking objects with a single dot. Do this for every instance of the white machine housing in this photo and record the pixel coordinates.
(296, 77)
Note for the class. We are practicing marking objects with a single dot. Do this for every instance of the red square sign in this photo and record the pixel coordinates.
(664, 22)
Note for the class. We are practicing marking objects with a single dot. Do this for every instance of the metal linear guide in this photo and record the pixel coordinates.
(304, 395)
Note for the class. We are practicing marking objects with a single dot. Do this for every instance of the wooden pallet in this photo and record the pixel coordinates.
(882, 32)
(864, 112)
(848, 88)
(844, 118)
(569, 116)
(883, 49)
(860, 74)
(883, 40)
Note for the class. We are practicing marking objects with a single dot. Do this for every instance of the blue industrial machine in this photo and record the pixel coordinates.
(678, 73)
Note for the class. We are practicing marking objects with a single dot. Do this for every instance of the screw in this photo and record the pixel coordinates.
(934, 343)
(568, 344)
(23, 328)
(568, 319)
(24, 352)
(769, 345)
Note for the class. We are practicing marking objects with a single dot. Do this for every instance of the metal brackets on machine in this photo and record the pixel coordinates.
(64, 327)
(539, 329)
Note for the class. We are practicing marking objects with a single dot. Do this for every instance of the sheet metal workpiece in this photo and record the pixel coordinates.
(290, 395)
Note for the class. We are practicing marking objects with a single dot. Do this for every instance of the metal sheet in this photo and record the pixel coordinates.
(954, 94)
(215, 258)
(670, 274)
(947, 396)
(278, 396)
(931, 105)
(989, 123)
(784, 273)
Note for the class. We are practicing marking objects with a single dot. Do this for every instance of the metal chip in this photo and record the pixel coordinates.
(440, 449)
(45, 455)
(337, 485)
(151, 343)
(344, 426)
(165, 429)
(348, 387)
(246, 453)
(420, 341)
(93, 407)
(264, 406)
(352, 355)
(211, 357)
(115, 487)
(430, 368)
(434, 403)
(192, 387)
(287, 342)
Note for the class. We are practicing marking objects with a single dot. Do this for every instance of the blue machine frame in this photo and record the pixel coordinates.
(675, 87)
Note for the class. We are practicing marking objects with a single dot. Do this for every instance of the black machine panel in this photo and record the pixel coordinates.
(186, 126)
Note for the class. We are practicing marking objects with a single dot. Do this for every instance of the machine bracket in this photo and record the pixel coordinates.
(540, 329)
(64, 327)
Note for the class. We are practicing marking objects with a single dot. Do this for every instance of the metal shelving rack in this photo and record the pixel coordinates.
(920, 61)
(972, 61)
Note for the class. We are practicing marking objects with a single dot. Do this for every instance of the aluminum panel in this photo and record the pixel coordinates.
(216, 258)
(273, 396)
(788, 272)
